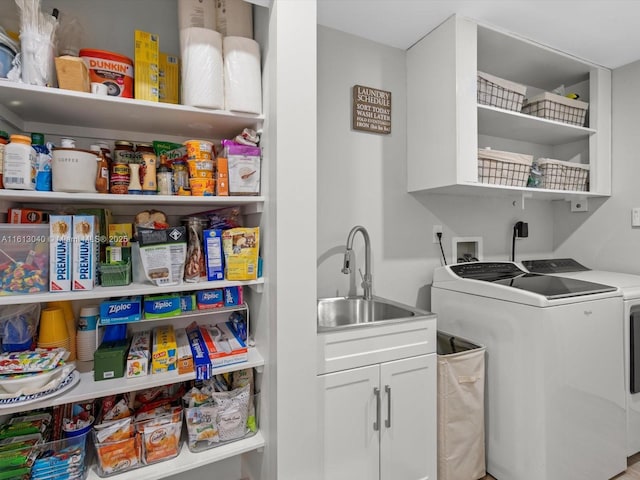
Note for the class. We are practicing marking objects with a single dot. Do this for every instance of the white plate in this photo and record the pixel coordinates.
(67, 384)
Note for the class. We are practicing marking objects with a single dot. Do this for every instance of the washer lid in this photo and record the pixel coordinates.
(509, 275)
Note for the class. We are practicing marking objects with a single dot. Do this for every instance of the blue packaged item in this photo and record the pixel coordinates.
(210, 299)
(114, 333)
(124, 310)
(43, 162)
(160, 306)
(188, 303)
(213, 254)
(233, 296)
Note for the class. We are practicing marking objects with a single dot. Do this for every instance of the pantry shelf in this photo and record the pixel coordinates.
(109, 199)
(188, 460)
(124, 291)
(62, 112)
(89, 389)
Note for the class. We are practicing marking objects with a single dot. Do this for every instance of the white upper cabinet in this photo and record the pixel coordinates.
(447, 125)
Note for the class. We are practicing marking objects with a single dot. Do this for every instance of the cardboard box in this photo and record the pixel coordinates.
(124, 310)
(73, 74)
(188, 303)
(84, 252)
(109, 360)
(233, 296)
(222, 177)
(119, 234)
(60, 228)
(241, 247)
(169, 84)
(139, 354)
(223, 346)
(146, 66)
(27, 215)
(185, 356)
(161, 306)
(207, 299)
(165, 350)
(214, 256)
(201, 363)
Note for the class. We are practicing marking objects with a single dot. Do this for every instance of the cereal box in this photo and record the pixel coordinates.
(60, 253)
(165, 349)
(84, 252)
(240, 246)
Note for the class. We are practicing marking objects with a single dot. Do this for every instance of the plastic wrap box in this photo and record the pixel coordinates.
(24, 261)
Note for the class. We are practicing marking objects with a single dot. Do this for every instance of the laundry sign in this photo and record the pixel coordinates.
(371, 109)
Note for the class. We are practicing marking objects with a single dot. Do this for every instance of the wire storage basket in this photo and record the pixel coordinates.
(556, 107)
(561, 175)
(503, 168)
(498, 92)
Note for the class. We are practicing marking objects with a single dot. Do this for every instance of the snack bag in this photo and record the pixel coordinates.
(240, 247)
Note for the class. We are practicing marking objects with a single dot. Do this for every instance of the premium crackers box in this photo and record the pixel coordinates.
(60, 228)
(84, 252)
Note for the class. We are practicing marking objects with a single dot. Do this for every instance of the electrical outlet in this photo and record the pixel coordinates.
(635, 217)
(436, 230)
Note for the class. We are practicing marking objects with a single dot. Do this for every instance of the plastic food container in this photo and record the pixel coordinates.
(18, 326)
(111, 69)
(74, 170)
(24, 259)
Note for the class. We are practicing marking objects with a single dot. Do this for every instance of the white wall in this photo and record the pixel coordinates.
(603, 238)
(362, 180)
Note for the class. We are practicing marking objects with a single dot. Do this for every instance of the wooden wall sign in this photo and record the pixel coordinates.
(371, 110)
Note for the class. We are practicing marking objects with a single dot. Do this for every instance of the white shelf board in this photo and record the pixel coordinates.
(124, 291)
(188, 460)
(490, 190)
(88, 389)
(28, 196)
(497, 122)
(65, 109)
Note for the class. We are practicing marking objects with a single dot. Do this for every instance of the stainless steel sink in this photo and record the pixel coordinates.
(347, 312)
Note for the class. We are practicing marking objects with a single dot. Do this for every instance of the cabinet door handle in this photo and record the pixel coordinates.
(387, 422)
(376, 424)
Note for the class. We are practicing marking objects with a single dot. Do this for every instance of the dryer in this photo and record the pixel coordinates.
(555, 399)
(630, 287)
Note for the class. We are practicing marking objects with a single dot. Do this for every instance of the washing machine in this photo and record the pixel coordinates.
(555, 398)
(630, 287)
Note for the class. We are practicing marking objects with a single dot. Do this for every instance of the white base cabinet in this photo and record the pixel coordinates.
(379, 421)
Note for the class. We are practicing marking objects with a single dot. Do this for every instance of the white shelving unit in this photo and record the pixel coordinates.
(87, 118)
(446, 125)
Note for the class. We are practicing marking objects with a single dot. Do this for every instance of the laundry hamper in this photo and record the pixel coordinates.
(461, 452)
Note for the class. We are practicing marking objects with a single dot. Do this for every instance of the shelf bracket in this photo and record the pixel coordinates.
(579, 204)
(522, 197)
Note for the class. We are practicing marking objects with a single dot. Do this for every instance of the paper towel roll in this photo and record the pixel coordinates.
(202, 67)
(197, 13)
(234, 18)
(242, 78)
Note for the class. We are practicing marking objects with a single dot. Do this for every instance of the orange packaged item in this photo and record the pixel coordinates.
(199, 149)
(222, 177)
(119, 456)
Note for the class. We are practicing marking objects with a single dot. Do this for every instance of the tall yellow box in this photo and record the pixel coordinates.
(146, 66)
(169, 78)
(164, 354)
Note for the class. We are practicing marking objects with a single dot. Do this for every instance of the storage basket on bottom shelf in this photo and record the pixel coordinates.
(561, 175)
(556, 107)
(501, 93)
(503, 168)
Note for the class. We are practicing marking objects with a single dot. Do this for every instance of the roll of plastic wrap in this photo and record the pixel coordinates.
(234, 18)
(197, 13)
(242, 79)
(202, 77)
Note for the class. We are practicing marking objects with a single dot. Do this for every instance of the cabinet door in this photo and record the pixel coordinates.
(347, 414)
(408, 432)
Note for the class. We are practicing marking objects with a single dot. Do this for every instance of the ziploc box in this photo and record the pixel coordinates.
(165, 349)
(207, 299)
(139, 354)
(161, 306)
(233, 296)
(223, 345)
(214, 257)
(84, 252)
(60, 228)
(122, 310)
(201, 362)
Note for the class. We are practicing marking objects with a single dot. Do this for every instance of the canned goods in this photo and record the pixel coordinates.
(119, 178)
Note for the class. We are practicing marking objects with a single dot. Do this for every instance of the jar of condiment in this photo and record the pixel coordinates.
(4, 139)
(180, 177)
(149, 161)
(102, 174)
(19, 169)
(164, 177)
(119, 176)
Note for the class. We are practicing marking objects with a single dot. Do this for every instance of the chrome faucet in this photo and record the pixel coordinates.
(367, 280)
